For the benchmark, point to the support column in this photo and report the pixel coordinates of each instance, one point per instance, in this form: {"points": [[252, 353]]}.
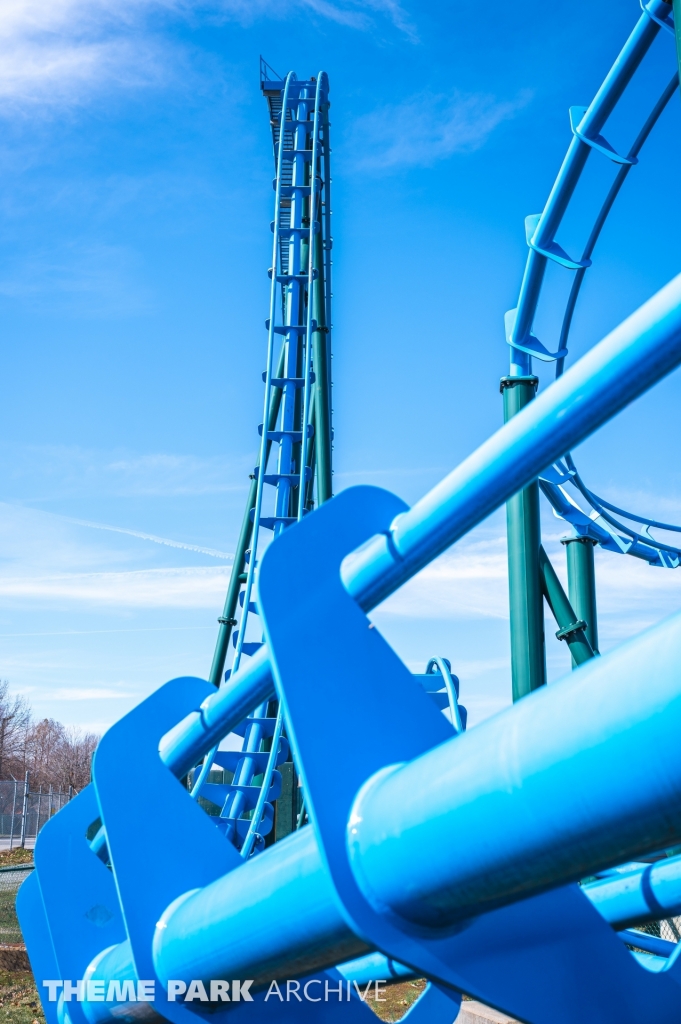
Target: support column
{"points": [[322, 374], [528, 658], [582, 584], [24, 812], [677, 22], [571, 628], [238, 574]]}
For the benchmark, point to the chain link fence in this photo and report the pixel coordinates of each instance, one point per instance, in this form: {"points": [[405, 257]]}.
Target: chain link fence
{"points": [[24, 811], [669, 929], [10, 880]]}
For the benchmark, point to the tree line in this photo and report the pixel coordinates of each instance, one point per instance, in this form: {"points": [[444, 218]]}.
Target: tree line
{"points": [[53, 754]]}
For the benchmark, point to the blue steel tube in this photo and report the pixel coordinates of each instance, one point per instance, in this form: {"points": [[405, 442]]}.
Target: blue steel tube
{"points": [[538, 796], [629, 59], [646, 894], [633, 357]]}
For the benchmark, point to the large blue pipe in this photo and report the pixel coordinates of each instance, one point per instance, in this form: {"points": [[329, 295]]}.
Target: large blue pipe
{"points": [[545, 793], [633, 357]]}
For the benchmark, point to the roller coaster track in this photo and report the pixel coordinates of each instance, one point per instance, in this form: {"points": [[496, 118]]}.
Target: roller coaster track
{"points": [[296, 417], [599, 519], [297, 393]]}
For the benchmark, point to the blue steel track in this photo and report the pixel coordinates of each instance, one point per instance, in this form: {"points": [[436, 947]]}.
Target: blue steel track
{"points": [[595, 518]]}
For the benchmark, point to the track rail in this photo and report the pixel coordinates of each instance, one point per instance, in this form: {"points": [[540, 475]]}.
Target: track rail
{"points": [[596, 519], [296, 418]]}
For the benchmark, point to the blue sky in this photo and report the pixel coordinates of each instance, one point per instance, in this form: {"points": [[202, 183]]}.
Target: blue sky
{"points": [[135, 200]]}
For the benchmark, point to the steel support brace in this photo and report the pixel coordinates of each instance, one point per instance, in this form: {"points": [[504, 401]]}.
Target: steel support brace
{"points": [[582, 583], [677, 25], [528, 658], [322, 395], [571, 626], [227, 620]]}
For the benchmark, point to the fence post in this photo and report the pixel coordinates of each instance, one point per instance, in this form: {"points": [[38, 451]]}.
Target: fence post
{"points": [[37, 820], [14, 810], [24, 812], [49, 803]]}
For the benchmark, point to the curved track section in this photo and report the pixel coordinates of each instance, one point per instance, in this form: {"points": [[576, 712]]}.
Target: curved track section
{"points": [[590, 516]]}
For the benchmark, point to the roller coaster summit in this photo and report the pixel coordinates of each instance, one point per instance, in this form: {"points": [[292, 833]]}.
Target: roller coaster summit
{"points": [[519, 863]]}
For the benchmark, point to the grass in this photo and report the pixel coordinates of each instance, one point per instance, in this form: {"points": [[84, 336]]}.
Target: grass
{"points": [[19, 1000], [20, 1003], [398, 999], [16, 856]]}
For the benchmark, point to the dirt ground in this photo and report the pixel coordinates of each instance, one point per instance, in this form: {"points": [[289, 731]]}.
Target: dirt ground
{"points": [[19, 1001]]}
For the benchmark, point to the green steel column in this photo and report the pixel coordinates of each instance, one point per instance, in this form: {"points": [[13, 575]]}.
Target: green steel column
{"points": [[528, 658], [571, 627], [322, 378], [677, 22], [582, 583], [237, 577]]}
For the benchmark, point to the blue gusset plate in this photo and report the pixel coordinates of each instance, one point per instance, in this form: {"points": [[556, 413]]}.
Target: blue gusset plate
{"points": [[529, 343], [542, 959]]}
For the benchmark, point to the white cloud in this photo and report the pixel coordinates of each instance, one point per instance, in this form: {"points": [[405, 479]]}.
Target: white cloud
{"points": [[194, 587], [429, 127], [88, 693], [357, 13], [62, 470], [470, 582], [54, 52], [63, 52], [467, 582]]}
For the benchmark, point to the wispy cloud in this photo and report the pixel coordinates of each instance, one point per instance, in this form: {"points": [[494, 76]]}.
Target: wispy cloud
{"points": [[470, 582], [56, 52], [467, 582], [90, 280], [359, 13], [194, 587], [29, 471], [65, 52], [88, 693], [429, 127]]}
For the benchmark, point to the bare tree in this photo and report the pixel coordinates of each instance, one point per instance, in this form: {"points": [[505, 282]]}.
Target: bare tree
{"points": [[15, 721], [53, 754], [74, 758], [44, 740]]}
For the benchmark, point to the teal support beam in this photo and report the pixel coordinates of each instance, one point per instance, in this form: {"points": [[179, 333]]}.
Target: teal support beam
{"points": [[571, 627], [322, 368], [677, 22], [528, 657], [227, 620], [582, 583]]}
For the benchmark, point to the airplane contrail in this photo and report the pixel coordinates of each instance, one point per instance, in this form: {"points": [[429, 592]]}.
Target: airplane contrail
{"points": [[213, 552]]}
